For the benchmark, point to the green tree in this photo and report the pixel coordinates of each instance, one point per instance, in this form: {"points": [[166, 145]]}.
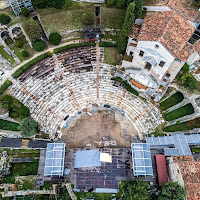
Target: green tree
{"points": [[189, 81], [32, 29], [136, 190], [38, 45], [87, 17], [55, 38], [4, 19], [126, 28], [173, 191], [25, 12], [138, 8], [121, 3], [58, 4], [29, 127], [185, 68], [68, 3], [25, 54]]}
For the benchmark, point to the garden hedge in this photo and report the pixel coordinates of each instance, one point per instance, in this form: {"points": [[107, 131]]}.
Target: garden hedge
{"points": [[107, 44], [71, 46], [7, 125], [188, 125], [6, 84], [180, 112], [28, 65]]}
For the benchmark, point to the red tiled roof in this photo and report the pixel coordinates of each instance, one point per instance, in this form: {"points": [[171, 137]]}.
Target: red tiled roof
{"points": [[185, 8], [138, 85], [190, 171], [161, 169], [154, 25], [170, 29], [135, 32]]}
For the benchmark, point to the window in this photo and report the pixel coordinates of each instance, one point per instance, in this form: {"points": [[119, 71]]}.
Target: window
{"points": [[131, 53], [167, 75], [141, 53], [162, 63], [156, 46]]}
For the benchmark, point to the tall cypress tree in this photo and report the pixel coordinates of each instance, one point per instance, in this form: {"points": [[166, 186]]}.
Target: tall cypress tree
{"points": [[127, 26], [121, 3], [138, 8]]}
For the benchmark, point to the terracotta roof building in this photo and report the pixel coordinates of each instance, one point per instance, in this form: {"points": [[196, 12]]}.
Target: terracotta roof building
{"points": [[166, 40], [190, 171]]}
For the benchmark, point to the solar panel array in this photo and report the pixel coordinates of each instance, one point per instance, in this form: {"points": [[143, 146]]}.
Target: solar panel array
{"points": [[54, 163], [180, 142], [142, 164]]}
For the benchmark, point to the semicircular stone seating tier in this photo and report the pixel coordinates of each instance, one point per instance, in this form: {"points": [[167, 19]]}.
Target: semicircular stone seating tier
{"points": [[66, 83]]}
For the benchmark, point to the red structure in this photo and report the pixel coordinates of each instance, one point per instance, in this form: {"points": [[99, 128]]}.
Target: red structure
{"points": [[161, 169]]}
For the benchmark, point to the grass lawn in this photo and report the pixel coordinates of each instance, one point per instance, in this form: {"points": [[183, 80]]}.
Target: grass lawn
{"points": [[171, 101], [69, 18], [97, 196], [158, 131], [180, 112], [184, 126], [66, 19], [23, 153], [111, 56], [6, 55], [7, 125], [112, 17]]}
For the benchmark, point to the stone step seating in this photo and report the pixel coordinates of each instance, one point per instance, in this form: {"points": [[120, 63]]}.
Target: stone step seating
{"points": [[40, 70], [54, 91]]}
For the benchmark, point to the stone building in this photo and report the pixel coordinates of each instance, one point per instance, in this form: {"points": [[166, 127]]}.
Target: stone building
{"points": [[160, 48]]}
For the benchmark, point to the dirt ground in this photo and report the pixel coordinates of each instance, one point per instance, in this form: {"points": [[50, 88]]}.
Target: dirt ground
{"points": [[101, 129]]}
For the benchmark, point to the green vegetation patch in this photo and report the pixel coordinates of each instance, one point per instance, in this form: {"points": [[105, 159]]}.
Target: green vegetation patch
{"points": [[16, 108], [184, 126], [8, 57], [127, 86], [111, 56], [31, 63], [24, 169], [171, 101], [5, 85], [195, 149], [71, 46], [7, 125], [23, 153], [180, 112]]}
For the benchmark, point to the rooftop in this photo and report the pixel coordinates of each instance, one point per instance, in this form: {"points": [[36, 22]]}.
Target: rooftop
{"points": [[54, 163], [190, 171], [170, 29]]}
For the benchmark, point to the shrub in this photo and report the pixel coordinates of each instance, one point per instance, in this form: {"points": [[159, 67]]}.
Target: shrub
{"points": [[28, 127], [180, 112], [28, 65], [18, 44], [25, 12], [87, 17], [188, 125], [189, 81], [7, 125], [4, 19], [58, 4], [171, 101], [107, 44], [71, 46], [6, 84], [185, 68], [25, 54], [38, 45], [13, 114], [55, 38]]}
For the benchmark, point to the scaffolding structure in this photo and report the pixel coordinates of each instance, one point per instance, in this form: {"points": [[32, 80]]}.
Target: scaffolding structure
{"points": [[17, 5]]}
